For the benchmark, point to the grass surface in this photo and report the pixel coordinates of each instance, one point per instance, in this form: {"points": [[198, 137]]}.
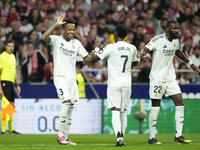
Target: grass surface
{"points": [[96, 141]]}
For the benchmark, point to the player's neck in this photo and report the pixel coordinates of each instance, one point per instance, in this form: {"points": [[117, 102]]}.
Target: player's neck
{"points": [[168, 37], [66, 38], [119, 39]]}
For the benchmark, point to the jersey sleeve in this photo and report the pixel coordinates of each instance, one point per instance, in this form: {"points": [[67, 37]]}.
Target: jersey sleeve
{"points": [[53, 40], [82, 51], [152, 43], [104, 52], [135, 53]]}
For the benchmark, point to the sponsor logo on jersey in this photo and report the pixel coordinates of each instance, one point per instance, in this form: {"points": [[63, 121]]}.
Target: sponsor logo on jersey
{"points": [[65, 51], [165, 46], [169, 52]]}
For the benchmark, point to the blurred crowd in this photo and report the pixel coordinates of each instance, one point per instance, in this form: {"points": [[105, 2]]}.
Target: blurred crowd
{"points": [[25, 21]]}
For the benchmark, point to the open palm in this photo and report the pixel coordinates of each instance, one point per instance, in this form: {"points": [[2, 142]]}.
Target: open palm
{"points": [[60, 19]]}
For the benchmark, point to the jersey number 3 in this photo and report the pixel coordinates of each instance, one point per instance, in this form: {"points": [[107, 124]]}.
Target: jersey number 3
{"points": [[125, 62]]}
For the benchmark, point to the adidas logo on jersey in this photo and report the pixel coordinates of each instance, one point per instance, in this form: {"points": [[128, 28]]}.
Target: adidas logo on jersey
{"points": [[165, 46]]}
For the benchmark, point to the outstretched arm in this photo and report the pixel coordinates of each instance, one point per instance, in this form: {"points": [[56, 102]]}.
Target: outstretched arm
{"points": [[45, 37], [180, 55], [92, 57]]}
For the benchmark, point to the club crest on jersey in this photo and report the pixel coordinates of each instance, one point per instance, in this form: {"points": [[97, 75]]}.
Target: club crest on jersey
{"points": [[73, 46], [174, 44]]}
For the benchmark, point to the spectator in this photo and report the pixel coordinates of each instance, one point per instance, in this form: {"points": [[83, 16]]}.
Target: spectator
{"points": [[140, 21], [101, 24], [34, 16], [151, 21], [3, 10], [195, 36], [76, 9], [195, 58], [174, 13], [93, 13], [110, 23], [162, 28], [128, 23], [32, 37], [91, 40], [183, 77], [138, 11], [118, 15], [83, 27], [165, 14], [138, 37], [58, 10], [8, 3], [12, 16], [20, 8], [66, 5], [145, 71], [188, 47], [50, 16], [104, 6], [154, 5], [85, 5], [187, 16], [45, 24], [25, 27], [17, 36], [39, 5], [33, 64], [3, 29], [96, 76]]}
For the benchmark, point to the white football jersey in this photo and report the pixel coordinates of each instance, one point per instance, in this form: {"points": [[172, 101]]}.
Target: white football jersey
{"points": [[120, 56], [163, 53], [64, 55]]}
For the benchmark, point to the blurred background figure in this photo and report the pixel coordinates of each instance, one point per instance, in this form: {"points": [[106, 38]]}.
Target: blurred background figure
{"points": [[33, 64]]}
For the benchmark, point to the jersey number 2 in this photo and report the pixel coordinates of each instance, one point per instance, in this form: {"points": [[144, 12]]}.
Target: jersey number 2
{"points": [[157, 89], [125, 61]]}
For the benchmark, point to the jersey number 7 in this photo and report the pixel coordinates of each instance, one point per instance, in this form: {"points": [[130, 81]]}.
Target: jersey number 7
{"points": [[125, 62]]}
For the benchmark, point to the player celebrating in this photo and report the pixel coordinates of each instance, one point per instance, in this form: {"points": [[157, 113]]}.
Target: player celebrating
{"points": [[162, 78], [121, 56], [65, 50]]}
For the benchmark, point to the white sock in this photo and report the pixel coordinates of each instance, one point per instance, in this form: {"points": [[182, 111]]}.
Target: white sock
{"points": [[116, 123], [68, 122], [63, 118], [123, 118], [179, 117], [152, 121]]}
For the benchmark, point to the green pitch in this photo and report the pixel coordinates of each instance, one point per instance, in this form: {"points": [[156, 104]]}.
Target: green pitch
{"points": [[95, 142]]}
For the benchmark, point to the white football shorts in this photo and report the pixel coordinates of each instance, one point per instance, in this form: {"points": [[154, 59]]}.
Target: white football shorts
{"points": [[67, 89], [119, 97], [158, 88]]}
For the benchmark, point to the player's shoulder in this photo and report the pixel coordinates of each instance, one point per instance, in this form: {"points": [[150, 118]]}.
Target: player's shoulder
{"points": [[75, 41], [158, 38]]}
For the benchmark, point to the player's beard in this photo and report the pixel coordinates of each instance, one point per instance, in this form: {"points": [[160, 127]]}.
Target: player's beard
{"points": [[173, 36]]}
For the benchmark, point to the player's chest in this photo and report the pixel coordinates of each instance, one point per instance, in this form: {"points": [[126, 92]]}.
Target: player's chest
{"points": [[67, 50], [166, 49]]}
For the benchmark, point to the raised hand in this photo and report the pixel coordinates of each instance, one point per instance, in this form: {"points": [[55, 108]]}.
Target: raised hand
{"points": [[97, 43], [60, 20]]}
